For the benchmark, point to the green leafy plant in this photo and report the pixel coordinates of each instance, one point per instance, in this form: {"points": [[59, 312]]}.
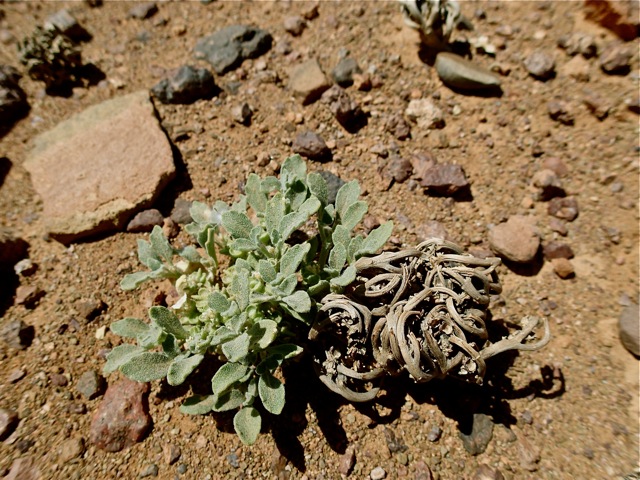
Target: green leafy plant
{"points": [[286, 247]]}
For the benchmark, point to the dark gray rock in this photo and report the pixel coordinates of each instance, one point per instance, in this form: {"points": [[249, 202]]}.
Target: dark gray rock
{"points": [[145, 220], [460, 73], [540, 65], [149, 471], [312, 146], [445, 179], [616, 59], [346, 111], [13, 100], [8, 422], [90, 384], [226, 49], [629, 325], [334, 183], [396, 170], [122, 419], [476, 441], [564, 208], [343, 73], [180, 213], [307, 81], [187, 85], [17, 334], [143, 11], [394, 444]]}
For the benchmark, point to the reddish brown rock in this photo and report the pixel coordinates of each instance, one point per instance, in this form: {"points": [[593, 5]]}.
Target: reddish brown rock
{"points": [[620, 16], [95, 169], [563, 268], [122, 419], [445, 179], [554, 250], [515, 240], [564, 208]]}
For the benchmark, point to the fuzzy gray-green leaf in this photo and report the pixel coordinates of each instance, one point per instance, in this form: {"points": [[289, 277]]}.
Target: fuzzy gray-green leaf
{"points": [[346, 278], [229, 400], [227, 375], [120, 355], [129, 327], [290, 261], [238, 348], [160, 245], [255, 197], [337, 257], [239, 288], [299, 301], [218, 302], [353, 214], [247, 424], [267, 271], [180, 369], [146, 367], [168, 322], [147, 256], [375, 240], [198, 404], [237, 224], [263, 332], [346, 196], [318, 187], [134, 280], [271, 392]]}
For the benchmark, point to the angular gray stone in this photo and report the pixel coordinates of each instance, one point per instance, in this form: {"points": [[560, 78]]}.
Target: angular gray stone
{"points": [[343, 73], [122, 419], [180, 213], [187, 85], [616, 59], [476, 441], [515, 240], [145, 220], [95, 169], [227, 48], [307, 81], [90, 384], [312, 146], [17, 334], [458, 72], [629, 325], [540, 65], [294, 24]]}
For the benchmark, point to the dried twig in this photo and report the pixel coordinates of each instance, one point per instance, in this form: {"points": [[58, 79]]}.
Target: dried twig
{"points": [[421, 310]]}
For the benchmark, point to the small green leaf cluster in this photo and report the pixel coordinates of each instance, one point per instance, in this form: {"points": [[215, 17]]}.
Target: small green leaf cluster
{"points": [[252, 315]]}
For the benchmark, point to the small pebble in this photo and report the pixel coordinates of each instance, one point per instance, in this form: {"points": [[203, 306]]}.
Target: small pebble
{"points": [[563, 268], [378, 473]]}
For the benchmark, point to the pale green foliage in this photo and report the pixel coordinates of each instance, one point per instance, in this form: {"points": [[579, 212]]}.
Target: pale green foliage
{"points": [[248, 316]]}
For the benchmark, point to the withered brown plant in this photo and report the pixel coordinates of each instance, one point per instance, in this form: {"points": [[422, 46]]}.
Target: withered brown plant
{"points": [[421, 310]]}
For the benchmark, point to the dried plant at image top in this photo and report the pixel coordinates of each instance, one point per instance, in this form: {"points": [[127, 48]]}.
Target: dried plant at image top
{"points": [[435, 20], [422, 311], [293, 249], [50, 56]]}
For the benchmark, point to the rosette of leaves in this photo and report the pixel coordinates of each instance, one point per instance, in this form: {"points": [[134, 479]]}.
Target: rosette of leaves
{"points": [[50, 56], [286, 247], [420, 311]]}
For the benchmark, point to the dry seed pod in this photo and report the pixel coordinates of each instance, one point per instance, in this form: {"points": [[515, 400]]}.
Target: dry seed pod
{"points": [[421, 310]]}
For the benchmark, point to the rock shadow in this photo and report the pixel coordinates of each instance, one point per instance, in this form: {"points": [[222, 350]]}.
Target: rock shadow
{"points": [[5, 167], [530, 269], [10, 283]]}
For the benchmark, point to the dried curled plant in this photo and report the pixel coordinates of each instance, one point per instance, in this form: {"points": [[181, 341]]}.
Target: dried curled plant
{"points": [[421, 310], [434, 19]]}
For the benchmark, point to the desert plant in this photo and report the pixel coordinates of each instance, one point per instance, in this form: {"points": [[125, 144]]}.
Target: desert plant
{"points": [[50, 56], [297, 248]]}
